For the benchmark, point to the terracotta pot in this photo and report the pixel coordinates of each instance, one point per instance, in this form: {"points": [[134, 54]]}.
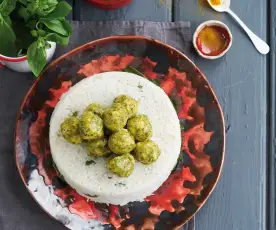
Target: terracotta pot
{"points": [[109, 4]]}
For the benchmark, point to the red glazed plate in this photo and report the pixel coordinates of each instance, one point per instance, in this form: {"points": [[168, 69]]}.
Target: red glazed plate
{"points": [[203, 136], [109, 4]]}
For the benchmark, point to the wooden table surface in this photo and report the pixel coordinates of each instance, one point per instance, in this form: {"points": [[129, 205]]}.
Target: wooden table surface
{"points": [[241, 81], [244, 81]]}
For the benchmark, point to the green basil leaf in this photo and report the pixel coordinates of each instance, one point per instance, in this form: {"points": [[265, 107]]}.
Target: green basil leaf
{"points": [[41, 7], [41, 33], [130, 69], [23, 13], [60, 26], [67, 26], [24, 2], [61, 11], [8, 20], [7, 38], [47, 45], [59, 39], [7, 6], [34, 33], [36, 56]]}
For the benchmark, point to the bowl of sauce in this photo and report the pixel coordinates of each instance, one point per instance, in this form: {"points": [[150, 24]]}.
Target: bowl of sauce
{"points": [[212, 39], [109, 4]]}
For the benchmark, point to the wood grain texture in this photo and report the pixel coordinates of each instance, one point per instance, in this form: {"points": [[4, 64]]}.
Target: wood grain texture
{"points": [[240, 82], [152, 10], [272, 121]]}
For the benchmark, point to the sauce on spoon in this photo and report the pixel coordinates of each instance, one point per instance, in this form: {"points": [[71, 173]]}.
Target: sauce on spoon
{"points": [[215, 2]]}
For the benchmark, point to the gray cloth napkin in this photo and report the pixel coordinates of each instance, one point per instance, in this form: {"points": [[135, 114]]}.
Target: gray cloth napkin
{"points": [[176, 34], [18, 211]]}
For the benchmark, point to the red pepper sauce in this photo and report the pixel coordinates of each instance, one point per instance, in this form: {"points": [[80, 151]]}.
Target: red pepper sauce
{"points": [[212, 40]]}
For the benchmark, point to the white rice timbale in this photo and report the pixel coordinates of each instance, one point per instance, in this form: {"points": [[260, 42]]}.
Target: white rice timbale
{"points": [[94, 180]]}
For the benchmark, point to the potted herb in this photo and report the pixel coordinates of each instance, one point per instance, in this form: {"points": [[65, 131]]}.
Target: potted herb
{"points": [[29, 31]]}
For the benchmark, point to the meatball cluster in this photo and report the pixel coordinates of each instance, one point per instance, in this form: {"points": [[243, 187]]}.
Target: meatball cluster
{"points": [[116, 132]]}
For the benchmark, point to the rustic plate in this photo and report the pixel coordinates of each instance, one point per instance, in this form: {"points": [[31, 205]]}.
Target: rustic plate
{"points": [[203, 142]]}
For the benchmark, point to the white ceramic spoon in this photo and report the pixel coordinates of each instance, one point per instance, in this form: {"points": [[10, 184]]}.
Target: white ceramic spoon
{"points": [[260, 45]]}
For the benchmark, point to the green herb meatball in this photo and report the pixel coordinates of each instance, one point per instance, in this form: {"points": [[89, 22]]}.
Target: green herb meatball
{"points": [[121, 142], [147, 152], [70, 129], [129, 103], [115, 118], [98, 148], [91, 126], [140, 127], [123, 165], [97, 109]]}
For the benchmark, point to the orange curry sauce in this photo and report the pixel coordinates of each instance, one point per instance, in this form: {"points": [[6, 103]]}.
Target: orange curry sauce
{"points": [[212, 40], [215, 2]]}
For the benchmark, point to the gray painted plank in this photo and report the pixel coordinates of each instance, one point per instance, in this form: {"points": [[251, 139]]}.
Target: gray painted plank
{"points": [[239, 79], [272, 121], [152, 10]]}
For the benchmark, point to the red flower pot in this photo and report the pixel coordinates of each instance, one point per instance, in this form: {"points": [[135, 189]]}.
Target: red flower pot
{"points": [[109, 4]]}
